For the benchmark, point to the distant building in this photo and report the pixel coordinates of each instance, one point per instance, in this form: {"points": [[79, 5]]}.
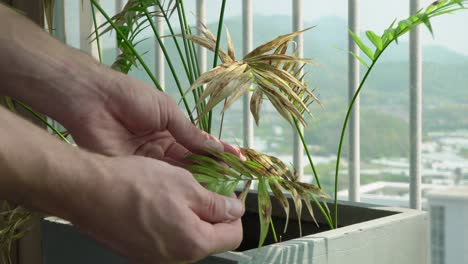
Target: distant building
{"points": [[449, 216], [448, 210], [390, 193]]}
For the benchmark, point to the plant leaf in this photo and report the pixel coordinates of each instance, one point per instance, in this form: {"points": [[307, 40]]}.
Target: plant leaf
{"points": [[244, 192], [270, 45], [376, 40], [264, 210], [276, 189], [361, 60], [361, 45]]}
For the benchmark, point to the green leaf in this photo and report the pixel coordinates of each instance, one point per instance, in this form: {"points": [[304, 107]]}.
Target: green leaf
{"points": [[376, 40], [228, 188], [201, 178], [359, 59], [424, 18], [361, 45], [264, 210]]}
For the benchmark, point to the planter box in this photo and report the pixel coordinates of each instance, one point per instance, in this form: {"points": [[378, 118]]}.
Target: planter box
{"points": [[368, 234]]}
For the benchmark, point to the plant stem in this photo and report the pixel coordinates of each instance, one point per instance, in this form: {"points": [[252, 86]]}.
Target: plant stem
{"points": [[343, 130], [215, 59], [96, 32], [325, 213], [273, 231], [43, 120], [128, 44], [176, 43], [301, 135], [169, 62]]}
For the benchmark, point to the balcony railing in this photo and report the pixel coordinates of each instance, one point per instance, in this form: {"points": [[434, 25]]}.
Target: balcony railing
{"points": [[415, 84]]}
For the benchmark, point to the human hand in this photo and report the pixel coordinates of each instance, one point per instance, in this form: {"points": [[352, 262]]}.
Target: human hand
{"points": [[134, 118], [153, 212]]}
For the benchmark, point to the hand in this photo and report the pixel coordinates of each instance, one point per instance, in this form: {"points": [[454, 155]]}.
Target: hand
{"points": [[153, 212], [134, 118]]}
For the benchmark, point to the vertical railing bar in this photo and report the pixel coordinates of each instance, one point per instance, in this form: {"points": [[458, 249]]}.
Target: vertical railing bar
{"points": [[415, 62], [247, 45], [87, 28], [201, 51], [158, 53], [298, 24], [59, 32], [354, 154], [119, 4]]}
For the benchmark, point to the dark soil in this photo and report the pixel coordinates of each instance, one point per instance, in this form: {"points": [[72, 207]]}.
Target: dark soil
{"points": [[251, 225]]}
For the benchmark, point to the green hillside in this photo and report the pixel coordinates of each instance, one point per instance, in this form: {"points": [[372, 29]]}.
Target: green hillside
{"points": [[384, 101]]}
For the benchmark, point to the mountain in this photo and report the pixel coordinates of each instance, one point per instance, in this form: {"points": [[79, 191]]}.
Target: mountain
{"points": [[384, 99]]}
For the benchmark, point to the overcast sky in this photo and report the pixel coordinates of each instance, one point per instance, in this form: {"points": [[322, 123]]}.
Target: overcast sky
{"points": [[450, 30]]}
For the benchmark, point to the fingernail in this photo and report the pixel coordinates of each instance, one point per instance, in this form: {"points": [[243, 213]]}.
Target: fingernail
{"points": [[234, 208], [242, 157], [214, 145]]}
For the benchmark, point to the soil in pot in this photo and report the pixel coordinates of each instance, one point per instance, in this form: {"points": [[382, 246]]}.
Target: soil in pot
{"points": [[251, 226]]}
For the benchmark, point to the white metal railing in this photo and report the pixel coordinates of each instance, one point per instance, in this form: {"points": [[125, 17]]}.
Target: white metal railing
{"points": [[247, 46], [298, 24], [415, 111], [354, 124], [353, 75]]}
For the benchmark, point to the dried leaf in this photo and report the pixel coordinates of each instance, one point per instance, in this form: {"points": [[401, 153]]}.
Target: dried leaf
{"points": [[274, 43], [244, 192], [276, 189], [264, 210], [230, 45]]}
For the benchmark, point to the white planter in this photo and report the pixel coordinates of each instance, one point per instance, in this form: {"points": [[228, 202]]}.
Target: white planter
{"points": [[370, 235]]}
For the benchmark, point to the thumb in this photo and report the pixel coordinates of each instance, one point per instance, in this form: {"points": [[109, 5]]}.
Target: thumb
{"points": [[214, 208], [189, 136]]}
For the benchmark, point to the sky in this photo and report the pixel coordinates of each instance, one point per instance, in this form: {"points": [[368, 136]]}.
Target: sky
{"points": [[450, 30]]}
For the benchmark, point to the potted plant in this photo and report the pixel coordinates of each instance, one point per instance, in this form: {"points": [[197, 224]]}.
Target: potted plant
{"points": [[360, 232]]}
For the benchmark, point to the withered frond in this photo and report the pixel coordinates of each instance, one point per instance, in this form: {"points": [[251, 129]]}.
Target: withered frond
{"points": [[14, 224], [269, 172], [275, 74]]}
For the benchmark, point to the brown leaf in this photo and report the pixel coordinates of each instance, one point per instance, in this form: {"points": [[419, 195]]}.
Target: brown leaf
{"points": [[255, 104], [230, 45], [276, 189], [274, 43]]}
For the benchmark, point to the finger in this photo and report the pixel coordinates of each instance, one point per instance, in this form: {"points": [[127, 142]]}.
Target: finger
{"points": [[163, 147], [190, 136], [222, 237], [214, 208]]}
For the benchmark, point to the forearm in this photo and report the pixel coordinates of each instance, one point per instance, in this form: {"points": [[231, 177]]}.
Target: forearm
{"points": [[39, 171], [39, 70]]}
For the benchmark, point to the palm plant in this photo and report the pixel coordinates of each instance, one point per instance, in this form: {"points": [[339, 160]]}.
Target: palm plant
{"points": [[271, 71]]}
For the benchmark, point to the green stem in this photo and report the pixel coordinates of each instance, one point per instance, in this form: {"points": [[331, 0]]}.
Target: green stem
{"points": [[169, 62], [176, 43], [324, 213], [43, 120], [221, 123], [96, 32], [273, 231], [301, 135], [195, 67], [215, 59], [129, 45], [343, 130]]}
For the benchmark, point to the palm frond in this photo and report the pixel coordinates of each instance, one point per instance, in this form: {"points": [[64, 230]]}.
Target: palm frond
{"points": [[269, 172], [269, 68]]}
